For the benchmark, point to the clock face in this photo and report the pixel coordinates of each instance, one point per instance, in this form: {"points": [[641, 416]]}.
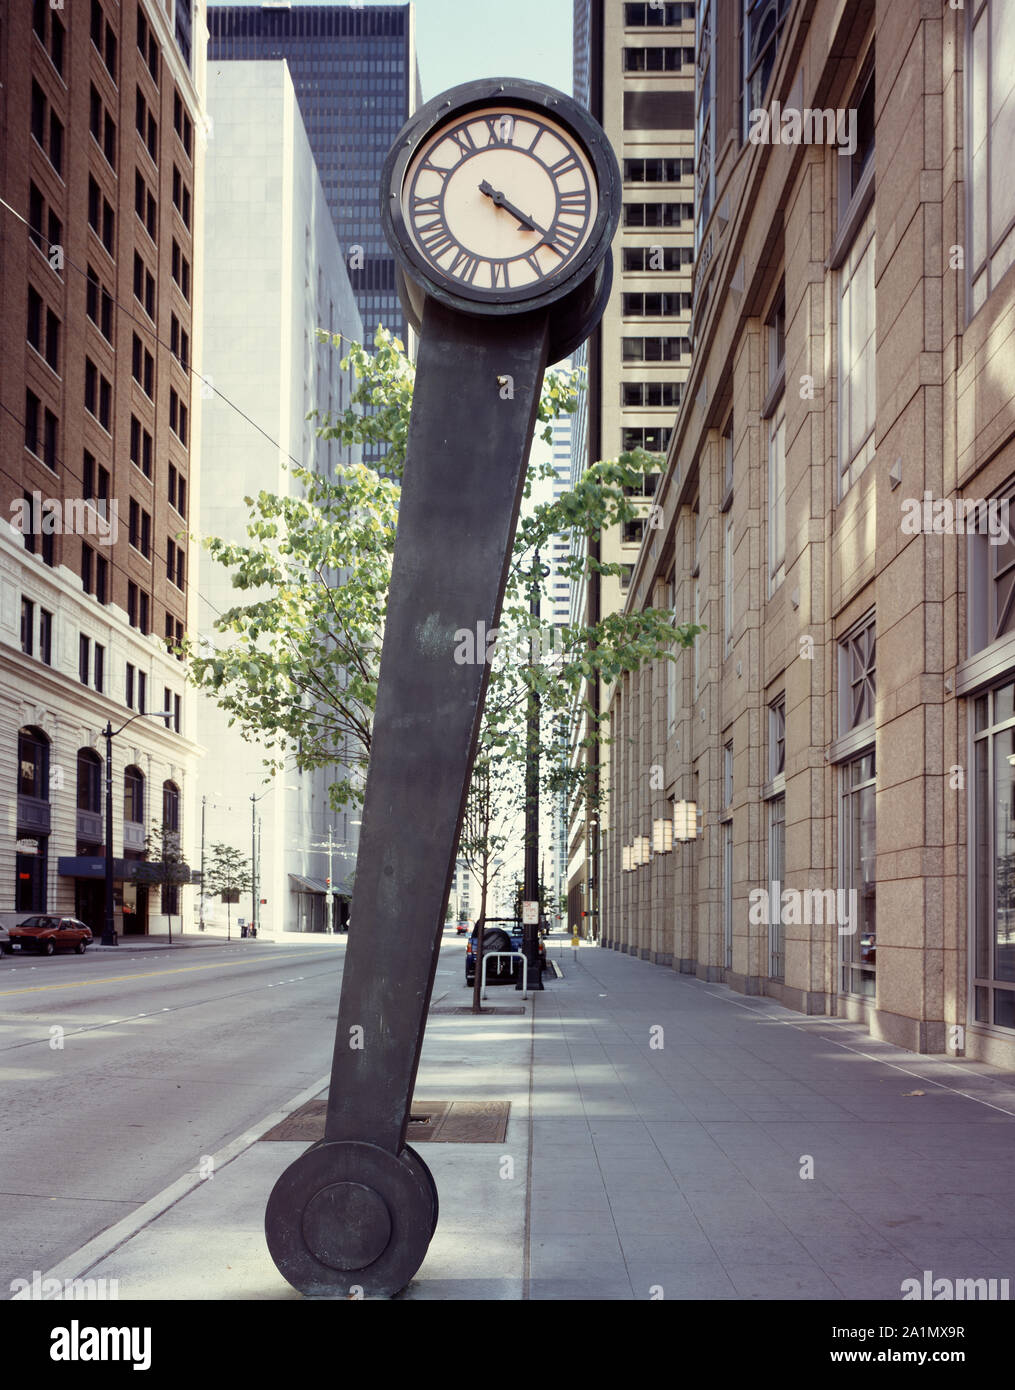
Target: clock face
{"points": [[499, 201]]}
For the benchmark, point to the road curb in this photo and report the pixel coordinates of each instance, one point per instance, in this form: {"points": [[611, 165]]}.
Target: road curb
{"points": [[76, 1266]]}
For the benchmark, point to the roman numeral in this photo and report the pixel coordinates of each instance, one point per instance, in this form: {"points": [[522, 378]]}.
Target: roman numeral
{"points": [[435, 238], [566, 165], [424, 205], [567, 237], [574, 202], [428, 167], [502, 129], [533, 261], [499, 274], [464, 266], [463, 139]]}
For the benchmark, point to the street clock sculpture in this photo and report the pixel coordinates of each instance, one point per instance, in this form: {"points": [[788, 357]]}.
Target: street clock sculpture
{"points": [[500, 200]]}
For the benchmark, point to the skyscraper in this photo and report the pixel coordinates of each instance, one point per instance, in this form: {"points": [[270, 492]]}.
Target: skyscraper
{"points": [[634, 69], [354, 70], [100, 308], [275, 273]]}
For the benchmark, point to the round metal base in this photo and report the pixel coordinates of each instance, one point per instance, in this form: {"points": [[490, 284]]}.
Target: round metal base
{"points": [[413, 1157], [351, 1218]]}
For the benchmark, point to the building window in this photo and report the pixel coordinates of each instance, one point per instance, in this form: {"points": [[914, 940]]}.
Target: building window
{"points": [[991, 581], [857, 672], [89, 781], [727, 775], [45, 637], [87, 568], [133, 796], [762, 30], [777, 738], [654, 349], [662, 305], [84, 658], [653, 438], [991, 947], [170, 806], [727, 581], [990, 128], [857, 356], [776, 874], [99, 668], [670, 59], [142, 692], [33, 407], [657, 214], [777, 498], [648, 394], [33, 764], [128, 694], [727, 893], [101, 579], [27, 627], [649, 259], [657, 170], [858, 937], [132, 603]]}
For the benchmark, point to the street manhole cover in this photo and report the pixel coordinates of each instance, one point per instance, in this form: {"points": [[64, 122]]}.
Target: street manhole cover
{"points": [[431, 1122], [462, 1009]]}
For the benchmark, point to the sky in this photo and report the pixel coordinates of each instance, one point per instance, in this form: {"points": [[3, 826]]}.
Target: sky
{"points": [[461, 40]]}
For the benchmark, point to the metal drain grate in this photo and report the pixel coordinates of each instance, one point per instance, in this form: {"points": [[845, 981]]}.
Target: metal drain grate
{"points": [[463, 1010], [431, 1122]]}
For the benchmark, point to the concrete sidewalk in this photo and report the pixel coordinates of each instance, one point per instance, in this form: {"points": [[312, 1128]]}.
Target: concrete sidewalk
{"points": [[667, 1138]]}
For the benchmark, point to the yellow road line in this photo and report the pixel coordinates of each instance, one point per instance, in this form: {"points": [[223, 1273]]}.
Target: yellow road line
{"points": [[145, 975]]}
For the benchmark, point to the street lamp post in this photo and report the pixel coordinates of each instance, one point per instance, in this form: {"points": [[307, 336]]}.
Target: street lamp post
{"points": [[109, 931], [204, 803], [253, 858]]}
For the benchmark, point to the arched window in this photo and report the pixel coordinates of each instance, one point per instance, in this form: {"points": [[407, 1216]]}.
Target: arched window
{"points": [[89, 780], [133, 795], [170, 806], [33, 763]]}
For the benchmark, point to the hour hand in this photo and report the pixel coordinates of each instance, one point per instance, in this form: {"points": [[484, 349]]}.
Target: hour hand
{"points": [[525, 223]]}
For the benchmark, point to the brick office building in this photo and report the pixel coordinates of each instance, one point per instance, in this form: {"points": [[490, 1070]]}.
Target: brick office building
{"points": [[846, 721], [101, 108]]}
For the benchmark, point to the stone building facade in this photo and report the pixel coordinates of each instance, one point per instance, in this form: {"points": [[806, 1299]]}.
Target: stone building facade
{"points": [[845, 725]]}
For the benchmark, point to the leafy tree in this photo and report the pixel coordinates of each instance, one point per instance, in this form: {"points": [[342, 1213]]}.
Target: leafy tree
{"points": [[298, 669], [484, 841], [163, 865], [228, 873]]}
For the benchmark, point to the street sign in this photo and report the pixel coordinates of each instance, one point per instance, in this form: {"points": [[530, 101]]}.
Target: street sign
{"points": [[530, 914]]}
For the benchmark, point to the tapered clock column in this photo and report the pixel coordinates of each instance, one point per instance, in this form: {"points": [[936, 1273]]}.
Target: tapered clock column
{"points": [[355, 1213]]}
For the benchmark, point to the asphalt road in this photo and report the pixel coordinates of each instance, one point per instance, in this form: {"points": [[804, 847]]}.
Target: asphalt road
{"points": [[164, 1057]]}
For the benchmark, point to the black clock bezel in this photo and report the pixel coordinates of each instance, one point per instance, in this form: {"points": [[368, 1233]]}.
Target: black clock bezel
{"points": [[456, 104]]}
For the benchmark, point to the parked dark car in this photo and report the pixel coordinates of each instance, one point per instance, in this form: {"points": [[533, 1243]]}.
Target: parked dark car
{"points": [[44, 935], [499, 938]]}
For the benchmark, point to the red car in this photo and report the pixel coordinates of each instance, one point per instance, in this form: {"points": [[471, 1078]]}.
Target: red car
{"points": [[48, 934]]}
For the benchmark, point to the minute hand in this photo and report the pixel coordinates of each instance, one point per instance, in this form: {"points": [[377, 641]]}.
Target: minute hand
{"points": [[524, 219]]}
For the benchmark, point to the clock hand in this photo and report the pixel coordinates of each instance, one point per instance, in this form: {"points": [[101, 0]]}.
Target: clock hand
{"points": [[496, 197], [526, 222]]}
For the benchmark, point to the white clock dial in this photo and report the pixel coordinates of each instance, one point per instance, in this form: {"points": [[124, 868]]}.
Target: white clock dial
{"points": [[500, 199]]}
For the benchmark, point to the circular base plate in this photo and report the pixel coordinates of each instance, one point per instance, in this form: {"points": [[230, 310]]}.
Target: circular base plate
{"points": [[413, 1157], [350, 1218]]}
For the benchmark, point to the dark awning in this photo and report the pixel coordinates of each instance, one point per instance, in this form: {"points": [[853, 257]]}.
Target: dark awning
{"points": [[94, 866]]}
